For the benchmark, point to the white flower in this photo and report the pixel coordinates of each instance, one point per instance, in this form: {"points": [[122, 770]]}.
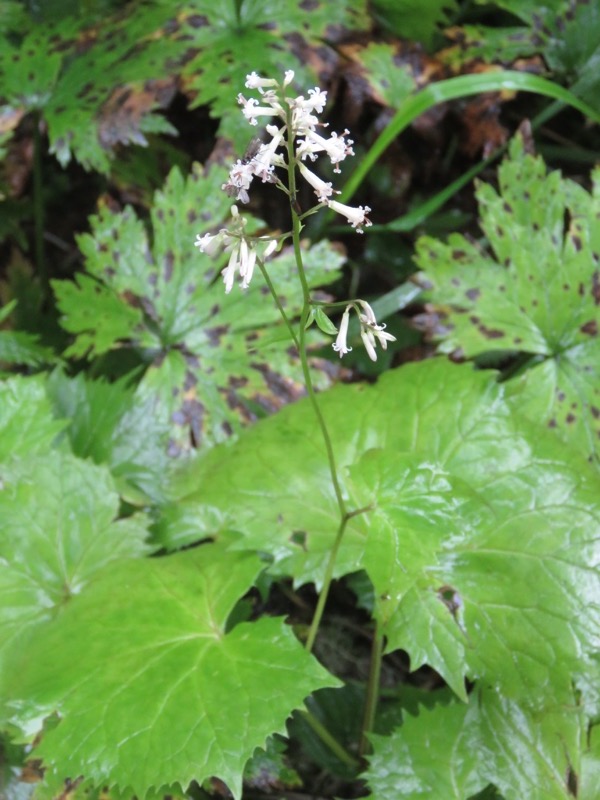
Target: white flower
{"points": [[267, 158], [371, 332], [240, 178], [252, 109], [368, 318], [270, 248], [369, 343], [340, 345], [322, 189], [254, 81], [336, 147], [210, 243], [247, 262], [243, 252], [317, 99], [356, 216]]}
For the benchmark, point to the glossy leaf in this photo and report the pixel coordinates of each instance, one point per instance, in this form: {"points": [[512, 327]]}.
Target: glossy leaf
{"points": [[183, 699], [112, 425], [478, 532], [454, 750], [26, 424], [58, 527], [536, 291]]}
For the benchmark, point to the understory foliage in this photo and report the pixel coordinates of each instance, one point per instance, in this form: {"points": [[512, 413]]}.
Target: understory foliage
{"points": [[156, 517]]}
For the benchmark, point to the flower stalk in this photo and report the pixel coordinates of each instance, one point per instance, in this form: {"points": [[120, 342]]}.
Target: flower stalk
{"points": [[296, 136]]}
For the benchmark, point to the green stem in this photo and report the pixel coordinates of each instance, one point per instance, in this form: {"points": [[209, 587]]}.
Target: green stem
{"points": [[38, 207], [275, 297], [372, 689], [304, 316], [328, 739]]}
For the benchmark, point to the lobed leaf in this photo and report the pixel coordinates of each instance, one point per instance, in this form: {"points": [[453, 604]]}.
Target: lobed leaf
{"points": [[214, 361], [535, 291], [112, 425], [26, 424], [455, 750], [58, 527], [478, 530], [180, 697]]}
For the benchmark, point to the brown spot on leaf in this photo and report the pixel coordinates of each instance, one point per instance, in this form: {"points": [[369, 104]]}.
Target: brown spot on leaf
{"points": [[491, 333], [560, 396], [596, 287], [215, 334], [458, 254], [595, 412], [576, 242], [591, 328], [570, 418], [473, 294], [552, 423]]}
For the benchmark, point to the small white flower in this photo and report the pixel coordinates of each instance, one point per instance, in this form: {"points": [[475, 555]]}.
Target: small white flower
{"points": [[270, 248], [252, 110], [371, 332], [369, 343], [336, 147], [368, 318], [288, 77], [356, 216], [323, 190], [240, 178], [341, 345], [247, 263], [229, 272], [210, 243], [254, 81], [267, 158], [317, 99]]}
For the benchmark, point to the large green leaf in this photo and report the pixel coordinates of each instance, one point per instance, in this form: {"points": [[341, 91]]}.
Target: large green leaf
{"points": [[26, 424], [111, 424], [58, 526], [537, 292], [479, 530], [214, 360], [454, 750], [151, 686]]}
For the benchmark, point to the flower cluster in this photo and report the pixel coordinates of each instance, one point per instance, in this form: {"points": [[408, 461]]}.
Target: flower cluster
{"points": [[295, 118], [295, 132], [243, 250], [370, 331]]}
